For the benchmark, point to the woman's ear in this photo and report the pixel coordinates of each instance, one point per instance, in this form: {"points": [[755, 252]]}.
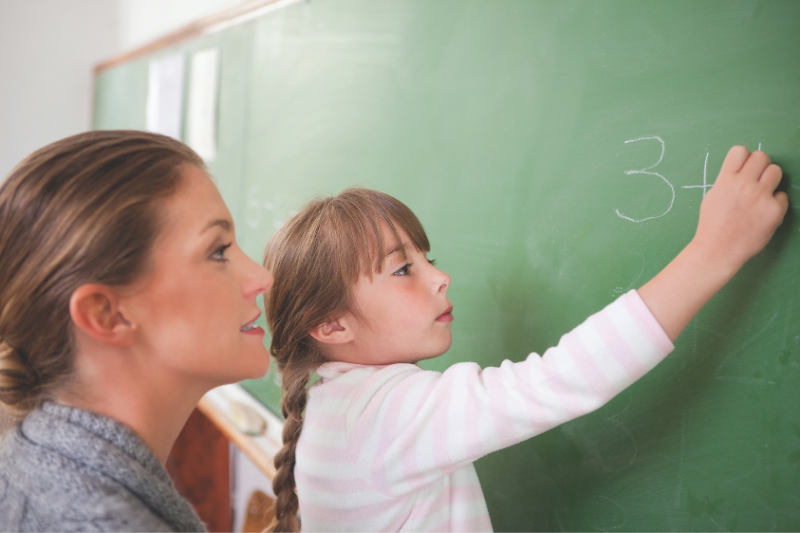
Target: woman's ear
{"points": [[95, 310], [336, 331]]}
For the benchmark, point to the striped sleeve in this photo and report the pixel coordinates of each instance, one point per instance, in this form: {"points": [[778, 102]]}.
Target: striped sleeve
{"points": [[407, 427]]}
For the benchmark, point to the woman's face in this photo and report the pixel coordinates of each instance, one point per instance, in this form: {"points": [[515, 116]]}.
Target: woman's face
{"points": [[195, 310]]}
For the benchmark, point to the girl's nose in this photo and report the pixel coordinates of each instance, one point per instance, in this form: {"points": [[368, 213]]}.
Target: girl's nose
{"points": [[441, 281]]}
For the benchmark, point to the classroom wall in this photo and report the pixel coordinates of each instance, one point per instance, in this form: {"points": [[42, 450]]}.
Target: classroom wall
{"points": [[146, 20], [48, 49]]}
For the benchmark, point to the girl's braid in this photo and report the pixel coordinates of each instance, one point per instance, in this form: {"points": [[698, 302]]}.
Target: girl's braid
{"points": [[316, 258], [295, 381]]}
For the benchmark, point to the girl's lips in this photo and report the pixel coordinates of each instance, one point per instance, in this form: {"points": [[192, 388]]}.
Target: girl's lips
{"points": [[447, 316]]}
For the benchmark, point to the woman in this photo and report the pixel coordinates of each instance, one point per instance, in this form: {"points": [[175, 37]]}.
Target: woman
{"points": [[123, 299]]}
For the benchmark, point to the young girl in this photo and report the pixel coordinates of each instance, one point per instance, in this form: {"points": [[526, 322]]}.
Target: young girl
{"points": [[387, 446]]}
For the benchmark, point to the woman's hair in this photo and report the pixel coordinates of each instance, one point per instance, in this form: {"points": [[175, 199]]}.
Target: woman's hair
{"points": [[80, 210], [316, 259]]}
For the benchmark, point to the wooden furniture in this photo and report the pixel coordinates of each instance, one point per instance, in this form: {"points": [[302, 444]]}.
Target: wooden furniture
{"points": [[200, 460], [260, 513], [200, 468]]}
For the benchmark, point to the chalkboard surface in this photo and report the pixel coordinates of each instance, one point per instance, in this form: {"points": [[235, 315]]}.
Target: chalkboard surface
{"points": [[557, 153]]}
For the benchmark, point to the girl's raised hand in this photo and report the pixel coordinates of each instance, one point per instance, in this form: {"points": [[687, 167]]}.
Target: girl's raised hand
{"points": [[738, 217], [741, 212]]}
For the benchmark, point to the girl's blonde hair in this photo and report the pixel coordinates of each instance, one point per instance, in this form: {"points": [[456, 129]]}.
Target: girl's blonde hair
{"points": [[80, 210], [316, 258]]}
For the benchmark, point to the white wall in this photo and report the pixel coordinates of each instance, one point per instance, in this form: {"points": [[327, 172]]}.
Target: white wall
{"points": [[47, 51]]}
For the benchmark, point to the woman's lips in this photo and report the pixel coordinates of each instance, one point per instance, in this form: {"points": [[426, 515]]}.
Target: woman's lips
{"points": [[255, 330], [447, 316], [251, 329]]}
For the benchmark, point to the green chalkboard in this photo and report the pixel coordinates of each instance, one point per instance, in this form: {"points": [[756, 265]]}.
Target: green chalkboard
{"points": [[556, 152]]}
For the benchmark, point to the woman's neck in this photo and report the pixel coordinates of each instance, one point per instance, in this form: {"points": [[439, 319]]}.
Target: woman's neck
{"points": [[154, 404]]}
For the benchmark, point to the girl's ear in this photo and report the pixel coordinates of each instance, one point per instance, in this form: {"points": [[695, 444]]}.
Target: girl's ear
{"points": [[335, 331], [95, 310]]}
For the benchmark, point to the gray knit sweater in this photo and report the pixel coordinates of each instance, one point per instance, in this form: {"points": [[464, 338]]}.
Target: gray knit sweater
{"points": [[64, 469]]}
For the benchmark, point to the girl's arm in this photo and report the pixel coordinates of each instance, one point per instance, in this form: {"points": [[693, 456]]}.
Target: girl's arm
{"points": [[738, 217], [407, 427]]}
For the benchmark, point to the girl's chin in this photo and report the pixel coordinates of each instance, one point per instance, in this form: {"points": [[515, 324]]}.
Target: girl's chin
{"points": [[437, 353]]}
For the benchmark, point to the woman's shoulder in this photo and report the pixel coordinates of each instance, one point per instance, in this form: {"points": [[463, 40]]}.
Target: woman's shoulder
{"points": [[56, 474], [92, 507], [41, 490]]}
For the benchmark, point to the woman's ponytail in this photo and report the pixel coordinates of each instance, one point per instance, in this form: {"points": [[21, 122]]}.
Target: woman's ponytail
{"points": [[19, 381]]}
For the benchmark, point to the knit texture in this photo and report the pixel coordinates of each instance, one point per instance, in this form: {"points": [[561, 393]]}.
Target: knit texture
{"points": [[65, 469], [390, 448]]}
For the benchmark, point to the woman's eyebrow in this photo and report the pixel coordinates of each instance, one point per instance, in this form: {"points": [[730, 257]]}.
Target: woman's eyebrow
{"points": [[221, 222]]}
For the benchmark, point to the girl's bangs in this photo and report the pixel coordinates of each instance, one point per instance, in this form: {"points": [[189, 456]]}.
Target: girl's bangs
{"points": [[363, 219]]}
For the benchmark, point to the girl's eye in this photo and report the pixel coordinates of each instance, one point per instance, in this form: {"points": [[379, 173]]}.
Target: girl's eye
{"points": [[432, 261], [404, 271], [219, 253]]}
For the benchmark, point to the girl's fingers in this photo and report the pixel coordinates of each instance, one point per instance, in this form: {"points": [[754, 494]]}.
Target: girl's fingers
{"points": [[783, 202], [755, 165], [735, 160], [771, 177]]}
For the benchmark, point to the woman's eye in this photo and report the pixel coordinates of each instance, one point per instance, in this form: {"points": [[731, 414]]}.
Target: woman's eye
{"points": [[404, 271], [432, 261], [219, 253]]}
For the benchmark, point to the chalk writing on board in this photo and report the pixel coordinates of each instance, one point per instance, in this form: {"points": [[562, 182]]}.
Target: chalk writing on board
{"points": [[622, 515], [681, 461], [617, 452], [646, 171], [754, 498], [253, 214], [559, 521], [623, 429], [719, 375], [705, 186], [619, 290], [259, 212]]}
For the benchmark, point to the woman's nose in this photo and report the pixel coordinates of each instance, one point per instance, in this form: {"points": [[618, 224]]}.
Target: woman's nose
{"points": [[258, 279], [268, 280]]}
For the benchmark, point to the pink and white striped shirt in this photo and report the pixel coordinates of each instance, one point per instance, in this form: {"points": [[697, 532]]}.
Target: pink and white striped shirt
{"points": [[390, 448]]}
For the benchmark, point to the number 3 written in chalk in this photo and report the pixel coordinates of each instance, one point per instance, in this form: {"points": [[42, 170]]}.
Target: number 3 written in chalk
{"points": [[647, 171]]}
